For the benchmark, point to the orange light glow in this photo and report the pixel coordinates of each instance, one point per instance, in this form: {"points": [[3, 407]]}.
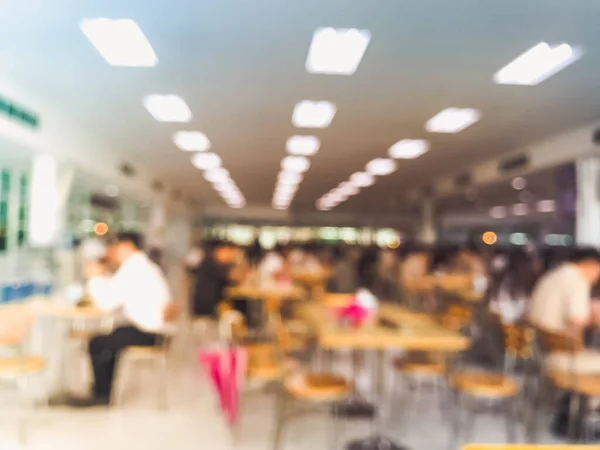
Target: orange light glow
{"points": [[489, 237], [100, 228]]}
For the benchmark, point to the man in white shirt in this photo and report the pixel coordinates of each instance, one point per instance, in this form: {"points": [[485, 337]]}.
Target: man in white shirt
{"points": [[561, 302], [139, 295]]}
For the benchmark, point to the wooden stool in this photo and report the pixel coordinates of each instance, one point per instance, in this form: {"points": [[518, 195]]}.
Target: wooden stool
{"points": [[473, 386], [313, 388], [18, 369], [415, 367], [157, 356]]}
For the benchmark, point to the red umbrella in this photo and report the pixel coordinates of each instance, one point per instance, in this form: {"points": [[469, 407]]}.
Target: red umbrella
{"points": [[226, 368]]}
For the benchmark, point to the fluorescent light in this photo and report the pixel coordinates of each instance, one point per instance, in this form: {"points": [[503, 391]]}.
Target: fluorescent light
{"points": [[498, 212], [206, 161], [285, 178], [380, 166], [408, 149], [362, 179], [519, 183], [218, 175], [120, 42], [546, 206], [191, 141], [44, 202], [348, 189], [295, 164], [520, 209], [336, 51], [168, 108], [303, 145], [537, 64], [452, 120], [310, 114]]}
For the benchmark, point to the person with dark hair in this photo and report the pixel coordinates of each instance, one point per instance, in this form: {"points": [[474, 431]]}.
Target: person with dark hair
{"points": [[561, 301], [511, 291], [212, 277], [139, 292]]}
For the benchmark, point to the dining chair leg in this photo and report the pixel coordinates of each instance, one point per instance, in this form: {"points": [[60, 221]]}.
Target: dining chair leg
{"points": [[161, 364], [511, 429], [455, 420], [24, 414], [280, 412], [442, 393], [468, 427], [334, 426], [574, 408]]}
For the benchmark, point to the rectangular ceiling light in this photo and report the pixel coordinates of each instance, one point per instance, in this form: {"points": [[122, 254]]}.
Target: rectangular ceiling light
{"points": [[191, 141], [537, 64], [336, 51], [120, 42], [309, 114], [452, 120], [168, 108], [303, 145], [408, 149]]}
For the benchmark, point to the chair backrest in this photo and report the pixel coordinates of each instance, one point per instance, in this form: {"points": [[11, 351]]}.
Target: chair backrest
{"points": [[456, 317], [519, 339], [15, 324], [553, 341]]}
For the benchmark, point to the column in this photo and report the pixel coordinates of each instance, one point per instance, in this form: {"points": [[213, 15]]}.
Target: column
{"points": [[428, 234], [587, 219]]}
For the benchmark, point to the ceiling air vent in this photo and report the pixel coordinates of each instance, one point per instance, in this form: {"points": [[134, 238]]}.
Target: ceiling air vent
{"points": [[513, 163], [463, 180], [157, 186], [127, 170]]}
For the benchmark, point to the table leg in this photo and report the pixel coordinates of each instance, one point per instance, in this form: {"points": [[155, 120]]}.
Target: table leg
{"points": [[356, 406], [377, 441]]}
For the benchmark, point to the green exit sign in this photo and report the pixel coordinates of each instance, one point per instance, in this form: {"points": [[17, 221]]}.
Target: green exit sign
{"points": [[18, 113]]}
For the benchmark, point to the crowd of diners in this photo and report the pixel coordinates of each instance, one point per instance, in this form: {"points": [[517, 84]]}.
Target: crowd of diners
{"points": [[554, 288]]}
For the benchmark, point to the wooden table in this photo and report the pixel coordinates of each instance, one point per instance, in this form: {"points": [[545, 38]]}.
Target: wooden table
{"points": [[415, 332]]}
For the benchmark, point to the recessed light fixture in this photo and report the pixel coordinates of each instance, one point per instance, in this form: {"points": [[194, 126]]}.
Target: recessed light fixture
{"points": [[168, 108], [120, 42], [336, 51], [380, 166], [191, 141], [537, 64], [303, 145], [362, 179], [289, 178], [218, 175], [546, 206], [498, 212], [206, 161], [295, 164], [520, 209], [408, 149], [311, 114], [452, 120], [519, 183], [111, 190]]}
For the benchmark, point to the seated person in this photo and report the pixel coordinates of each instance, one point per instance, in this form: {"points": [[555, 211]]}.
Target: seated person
{"points": [[215, 273], [272, 267], [562, 303], [510, 294], [137, 290]]}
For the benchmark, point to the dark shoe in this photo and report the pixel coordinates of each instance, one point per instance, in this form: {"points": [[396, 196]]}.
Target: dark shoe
{"points": [[88, 402]]}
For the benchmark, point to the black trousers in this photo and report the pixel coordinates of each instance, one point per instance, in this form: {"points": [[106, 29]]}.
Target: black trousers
{"points": [[105, 350]]}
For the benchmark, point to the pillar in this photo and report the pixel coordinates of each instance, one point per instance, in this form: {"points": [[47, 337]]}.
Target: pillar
{"points": [[428, 234], [587, 218]]}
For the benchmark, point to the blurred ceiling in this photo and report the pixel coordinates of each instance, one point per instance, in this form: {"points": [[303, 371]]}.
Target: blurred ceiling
{"points": [[240, 67]]}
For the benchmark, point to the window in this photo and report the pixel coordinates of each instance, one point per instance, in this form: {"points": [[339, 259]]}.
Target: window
{"points": [[23, 206], [4, 194]]}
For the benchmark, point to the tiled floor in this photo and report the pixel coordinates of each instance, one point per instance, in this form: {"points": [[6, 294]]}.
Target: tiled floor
{"points": [[193, 421]]}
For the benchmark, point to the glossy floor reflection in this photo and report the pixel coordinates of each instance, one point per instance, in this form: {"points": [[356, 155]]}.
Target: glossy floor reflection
{"points": [[193, 421]]}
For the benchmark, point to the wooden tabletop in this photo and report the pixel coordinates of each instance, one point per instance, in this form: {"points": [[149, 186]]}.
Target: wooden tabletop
{"points": [[250, 292], [416, 331], [529, 447], [63, 310], [456, 284]]}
